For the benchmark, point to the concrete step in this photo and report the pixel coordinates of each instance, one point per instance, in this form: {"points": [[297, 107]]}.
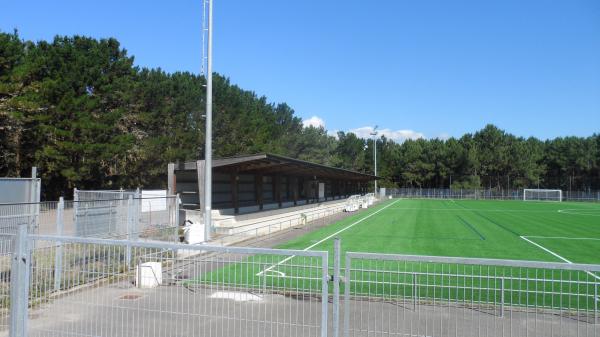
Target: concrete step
{"points": [[275, 222]]}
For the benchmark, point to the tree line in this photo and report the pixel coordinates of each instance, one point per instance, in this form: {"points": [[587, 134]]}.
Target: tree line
{"points": [[83, 113]]}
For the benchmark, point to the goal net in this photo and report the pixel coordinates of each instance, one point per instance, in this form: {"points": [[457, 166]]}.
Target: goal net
{"points": [[542, 195]]}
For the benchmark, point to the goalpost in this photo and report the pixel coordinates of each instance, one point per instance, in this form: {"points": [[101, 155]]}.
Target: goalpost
{"points": [[542, 195]]}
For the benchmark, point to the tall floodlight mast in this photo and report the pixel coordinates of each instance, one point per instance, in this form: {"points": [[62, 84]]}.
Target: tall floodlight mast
{"points": [[207, 6], [374, 134]]}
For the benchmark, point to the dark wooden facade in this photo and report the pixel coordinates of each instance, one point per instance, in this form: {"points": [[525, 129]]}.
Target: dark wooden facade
{"points": [[256, 182]]}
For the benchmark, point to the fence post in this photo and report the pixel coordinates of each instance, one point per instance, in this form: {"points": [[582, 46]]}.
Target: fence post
{"points": [[502, 297], [75, 205], [176, 218], [35, 189], [19, 284], [336, 286], [415, 291], [347, 280], [324, 293], [596, 299], [137, 203], [130, 210], [59, 250]]}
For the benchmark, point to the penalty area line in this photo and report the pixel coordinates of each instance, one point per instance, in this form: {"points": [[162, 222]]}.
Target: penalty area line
{"points": [[561, 238], [557, 256], [270, 269]]}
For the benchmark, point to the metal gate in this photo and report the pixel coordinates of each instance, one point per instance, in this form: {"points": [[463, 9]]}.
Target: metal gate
{"points": [[103, 213]]}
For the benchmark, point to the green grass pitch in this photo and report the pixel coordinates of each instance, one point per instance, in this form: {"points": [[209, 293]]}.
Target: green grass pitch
{"points": [[470, 228], [516, 230]]}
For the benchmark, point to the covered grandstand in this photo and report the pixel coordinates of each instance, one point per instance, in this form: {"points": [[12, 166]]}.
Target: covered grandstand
{"points": [[264, 181]]}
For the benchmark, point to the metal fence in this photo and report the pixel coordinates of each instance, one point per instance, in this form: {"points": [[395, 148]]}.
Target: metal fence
{"points": [[404, 295], [72, 286], [19, 189], [90, 195], [265, 229], [112, 218], [88, 287], [262, 229], [485, 194]]}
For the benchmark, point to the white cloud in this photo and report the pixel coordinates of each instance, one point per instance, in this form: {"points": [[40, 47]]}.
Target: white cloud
{"points": [[314, 121], [333, 134], [397, 135], [443, 136]]}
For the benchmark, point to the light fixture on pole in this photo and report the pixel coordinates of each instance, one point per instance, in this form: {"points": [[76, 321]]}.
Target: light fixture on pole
{"points": [[374, 133]]}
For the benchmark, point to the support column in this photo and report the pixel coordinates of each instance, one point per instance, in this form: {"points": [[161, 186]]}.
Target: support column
{"points": [[307, 190], [171, 179], [277, 182], [295, 190], [200, 167], [287, 188], [258, 189], [234, 192]]}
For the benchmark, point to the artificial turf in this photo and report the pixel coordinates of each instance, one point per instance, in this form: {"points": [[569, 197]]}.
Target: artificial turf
{"points": [[455, 228], [469, 228]]}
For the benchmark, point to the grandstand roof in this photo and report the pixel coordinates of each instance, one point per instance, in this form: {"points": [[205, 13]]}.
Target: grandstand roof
{"points": [[266, 163]]}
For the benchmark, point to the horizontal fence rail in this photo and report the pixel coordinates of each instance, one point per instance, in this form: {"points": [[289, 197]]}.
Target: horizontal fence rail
{"points": [[145, 218], [485, 194], [60, 285], [103, 287], [406, 295], [266, 228]]}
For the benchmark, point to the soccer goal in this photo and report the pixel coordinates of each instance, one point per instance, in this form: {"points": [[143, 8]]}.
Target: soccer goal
{"points": [[542, 195]]}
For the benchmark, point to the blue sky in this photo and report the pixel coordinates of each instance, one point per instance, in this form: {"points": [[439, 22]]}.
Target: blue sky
{"points": [[430, 68]]}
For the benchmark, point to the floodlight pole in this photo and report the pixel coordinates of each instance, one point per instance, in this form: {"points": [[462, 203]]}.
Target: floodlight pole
{"points": [[208, 145], [374, 134]]}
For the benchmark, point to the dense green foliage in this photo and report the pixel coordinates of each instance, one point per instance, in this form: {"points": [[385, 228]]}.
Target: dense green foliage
{"points": [[79, 110]]}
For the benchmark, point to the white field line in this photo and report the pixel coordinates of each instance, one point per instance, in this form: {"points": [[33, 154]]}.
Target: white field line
{"points": [[475, 209], [580, 211], [561, 238], [558, 256], [323, 240]]}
